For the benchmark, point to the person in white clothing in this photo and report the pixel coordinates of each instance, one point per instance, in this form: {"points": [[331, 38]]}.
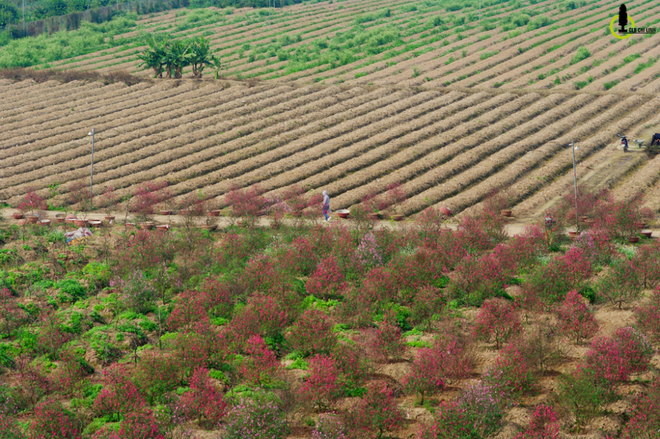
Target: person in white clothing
{"points": [[326, 205]]}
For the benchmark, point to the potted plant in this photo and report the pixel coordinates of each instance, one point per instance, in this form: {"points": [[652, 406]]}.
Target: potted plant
{"points": [[372, 204], [31, 202], [211, 220], [396, 197], [145, 199], [108, 202], [146, 225], [17, 215], [192, 209]]}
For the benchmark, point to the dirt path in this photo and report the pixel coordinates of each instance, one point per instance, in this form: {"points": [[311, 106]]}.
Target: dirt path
{"points": [[516, 226]]}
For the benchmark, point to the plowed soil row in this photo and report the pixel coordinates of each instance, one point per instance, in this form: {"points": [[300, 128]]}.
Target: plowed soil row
{"points": [[28, 98], [178, 127], [173, 106], [211, 139], [231, 165], [553, 158], [144, 159], [88, 107], [38, 140], [580, 107], [426, 163], [57, 106]]}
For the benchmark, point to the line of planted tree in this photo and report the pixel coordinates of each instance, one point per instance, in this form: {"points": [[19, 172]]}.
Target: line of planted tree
{"points": [[170, 57]]}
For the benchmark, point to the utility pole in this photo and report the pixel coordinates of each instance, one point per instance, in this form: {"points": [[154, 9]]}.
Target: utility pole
{"points": [[91, 178], [573, 148]]}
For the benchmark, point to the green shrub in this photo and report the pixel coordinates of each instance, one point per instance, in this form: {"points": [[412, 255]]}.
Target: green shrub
{"points": [[610, 84], [6, 359], [649, 63], [538, 22], [72, 288], [631, 58], [582, 53], [581, 395], [98, 275]]}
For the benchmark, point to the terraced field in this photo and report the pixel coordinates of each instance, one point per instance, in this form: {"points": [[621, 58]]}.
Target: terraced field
{"points": [[351, 97], [449, 112]]}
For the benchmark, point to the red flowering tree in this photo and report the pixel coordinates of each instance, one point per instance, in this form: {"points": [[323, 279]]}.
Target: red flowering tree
{"points": [[246, 204], [321, 386], [620, 217], [203, 400], [31, 202], [156, 373], [622, 284], [219, 296], [498, 320], [543, 425], [422, 269], [261, 275], [379, 285], [119, 395], [426, 375], [327, 280], [644, 416], [312, 333], [11, 315], [511, 372], [352, 364], [377, 412], [482, 231], [52, 421], [452, 421], [136, 425], [260, 363], [263, 316], [614, 359], [189, 309], [576, 319], [33, 382], [51, 336], [147, 195], [648, 315], [549, 284], [384, 343], [475, 279], [70, 373], [645, 262], [190, 350], [9, 428]]}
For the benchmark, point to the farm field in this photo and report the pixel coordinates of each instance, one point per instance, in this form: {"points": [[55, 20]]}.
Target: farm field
{"points": [[446, 306]]}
